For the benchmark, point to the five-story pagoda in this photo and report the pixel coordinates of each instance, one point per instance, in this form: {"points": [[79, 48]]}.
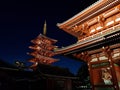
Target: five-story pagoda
{"points": [[43, 50]]}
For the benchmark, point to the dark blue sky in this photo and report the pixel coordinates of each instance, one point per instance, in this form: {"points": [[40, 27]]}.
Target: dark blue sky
{"points": [[22, 20]]}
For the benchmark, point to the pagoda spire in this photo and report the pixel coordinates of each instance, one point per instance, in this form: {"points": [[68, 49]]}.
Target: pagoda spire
{"points": [[45, 28], [42, 50]]}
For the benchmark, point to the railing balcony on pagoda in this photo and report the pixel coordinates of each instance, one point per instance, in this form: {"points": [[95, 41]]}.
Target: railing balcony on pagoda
{"points": [[41, 39], [42, 46], [43, 53]]}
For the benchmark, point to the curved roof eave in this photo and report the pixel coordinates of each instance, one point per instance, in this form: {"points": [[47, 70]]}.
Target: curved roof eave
{"points": [[99, 4], [75, 16]]}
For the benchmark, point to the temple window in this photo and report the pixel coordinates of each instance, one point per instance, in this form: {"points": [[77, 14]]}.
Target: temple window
{"points": [[116, 53], [117, 18], [99, 28], [94, 58], [92, 29], [109, 22], [102, 56]]}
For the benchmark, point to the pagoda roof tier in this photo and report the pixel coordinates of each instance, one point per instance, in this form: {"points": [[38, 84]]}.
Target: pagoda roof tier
{"points": [[42, 46], [40, 41], [43, 60], [33, 60], [34, 65], [40, 57], [43, 53], [78, 25], [35, 47], [43, 39]]}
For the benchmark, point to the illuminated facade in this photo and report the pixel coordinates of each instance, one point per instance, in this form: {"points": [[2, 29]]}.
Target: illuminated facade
{"points": [[98, 31]]}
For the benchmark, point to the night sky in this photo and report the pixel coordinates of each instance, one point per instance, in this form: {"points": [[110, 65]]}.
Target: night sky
{"points": [[22, 20]]}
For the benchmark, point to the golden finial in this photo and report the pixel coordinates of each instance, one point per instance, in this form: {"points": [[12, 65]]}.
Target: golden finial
{"points": [[45, 28]]}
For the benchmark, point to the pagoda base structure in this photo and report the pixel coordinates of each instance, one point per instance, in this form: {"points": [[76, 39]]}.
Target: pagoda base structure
{"points": [[98, 31]]}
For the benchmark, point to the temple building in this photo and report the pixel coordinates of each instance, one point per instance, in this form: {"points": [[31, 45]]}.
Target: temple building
{"points": [[98, 31]]}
